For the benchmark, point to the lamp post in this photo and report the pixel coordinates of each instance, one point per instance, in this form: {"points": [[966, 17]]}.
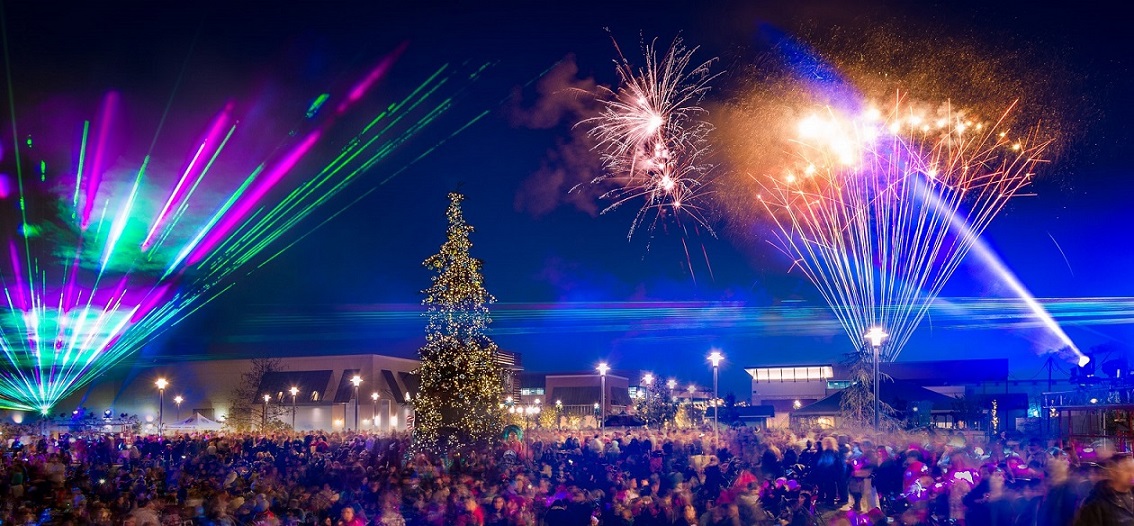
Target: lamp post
{"points": [[356, 381], [264, 424], [177, 400], [294, 391], [671, 398], [161, 384], [648, 381], [692, 391], [716, 357], [410, 411], [531, 411], [559, 415], [602, 369], [374, 410], [875, 337]]}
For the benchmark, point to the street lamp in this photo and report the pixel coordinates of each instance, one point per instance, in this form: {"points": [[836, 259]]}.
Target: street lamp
{"points": [[602, 369], [648, 381], [267, 398], [875, 336], [356, 380], [531, 411], [374, 409], [161, 384], [559, 415], [716, 357], [294, 391], [692, 391], [177, 400]]}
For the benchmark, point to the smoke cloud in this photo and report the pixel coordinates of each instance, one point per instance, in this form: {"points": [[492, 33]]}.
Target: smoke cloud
{"points": [[561, 100]]}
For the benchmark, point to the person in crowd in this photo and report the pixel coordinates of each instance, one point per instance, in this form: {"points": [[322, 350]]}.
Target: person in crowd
{"points": [[347, 517], [771, 463], [862, 463], [1058, 504], [828, 472], [1111, 502], [553, 477]]}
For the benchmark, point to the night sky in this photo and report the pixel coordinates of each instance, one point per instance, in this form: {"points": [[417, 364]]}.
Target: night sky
{"points": [[572, 289]]}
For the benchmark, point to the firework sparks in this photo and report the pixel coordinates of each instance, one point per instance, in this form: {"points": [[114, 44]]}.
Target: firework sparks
{"points": [[653, 138], [868, 207]]}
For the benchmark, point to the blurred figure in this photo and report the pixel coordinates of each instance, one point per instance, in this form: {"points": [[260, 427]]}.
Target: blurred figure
{"points": [[987, 503], [798, 513], [348, 518], [1062, 499], [1111, 502], [828, 474]]}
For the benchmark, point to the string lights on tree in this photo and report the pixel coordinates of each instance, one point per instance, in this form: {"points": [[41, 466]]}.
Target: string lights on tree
{"points": [[461, 382]]}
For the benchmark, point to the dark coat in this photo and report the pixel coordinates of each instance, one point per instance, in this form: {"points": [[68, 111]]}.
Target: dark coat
{"points": [[1105, 507], [1058, 507]]}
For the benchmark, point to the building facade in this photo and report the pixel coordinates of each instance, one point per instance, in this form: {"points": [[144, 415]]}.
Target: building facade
{"points": [[982, 389], [577, 393], [325, 398]]}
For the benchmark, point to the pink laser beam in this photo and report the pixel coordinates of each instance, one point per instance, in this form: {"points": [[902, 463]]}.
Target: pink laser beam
{"points": [[364, 85], [180, 189], [249, 200], [108, 104], [20, 296]]}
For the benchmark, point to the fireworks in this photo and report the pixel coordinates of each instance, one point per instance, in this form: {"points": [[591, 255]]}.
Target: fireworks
{"points": [[879, 208], [652, 137], [103, 260]]}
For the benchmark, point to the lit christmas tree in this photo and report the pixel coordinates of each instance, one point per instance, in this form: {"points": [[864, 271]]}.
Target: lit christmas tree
{"points": [[656, 406], [461, 383]]}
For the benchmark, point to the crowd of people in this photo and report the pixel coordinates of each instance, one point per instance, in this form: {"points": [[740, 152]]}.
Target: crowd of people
{"points": [[639, 477]]}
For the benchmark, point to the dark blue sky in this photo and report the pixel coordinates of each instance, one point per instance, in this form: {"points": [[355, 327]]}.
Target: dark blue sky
{"points": [[355, 282]]}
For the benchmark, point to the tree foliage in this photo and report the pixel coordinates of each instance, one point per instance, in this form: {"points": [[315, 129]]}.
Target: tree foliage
{"points": [[656, 405], [461, 381], [857, 403]]}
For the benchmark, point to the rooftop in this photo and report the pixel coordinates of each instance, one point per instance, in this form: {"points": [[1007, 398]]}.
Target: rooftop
{"points": [[898, 395]]}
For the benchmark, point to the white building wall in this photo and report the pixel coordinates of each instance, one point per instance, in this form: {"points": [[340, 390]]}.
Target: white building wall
{"points": [[206, 386], [814, 390]]}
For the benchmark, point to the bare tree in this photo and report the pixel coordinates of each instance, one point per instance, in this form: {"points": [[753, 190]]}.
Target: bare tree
{"points": [[246, 410]]}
